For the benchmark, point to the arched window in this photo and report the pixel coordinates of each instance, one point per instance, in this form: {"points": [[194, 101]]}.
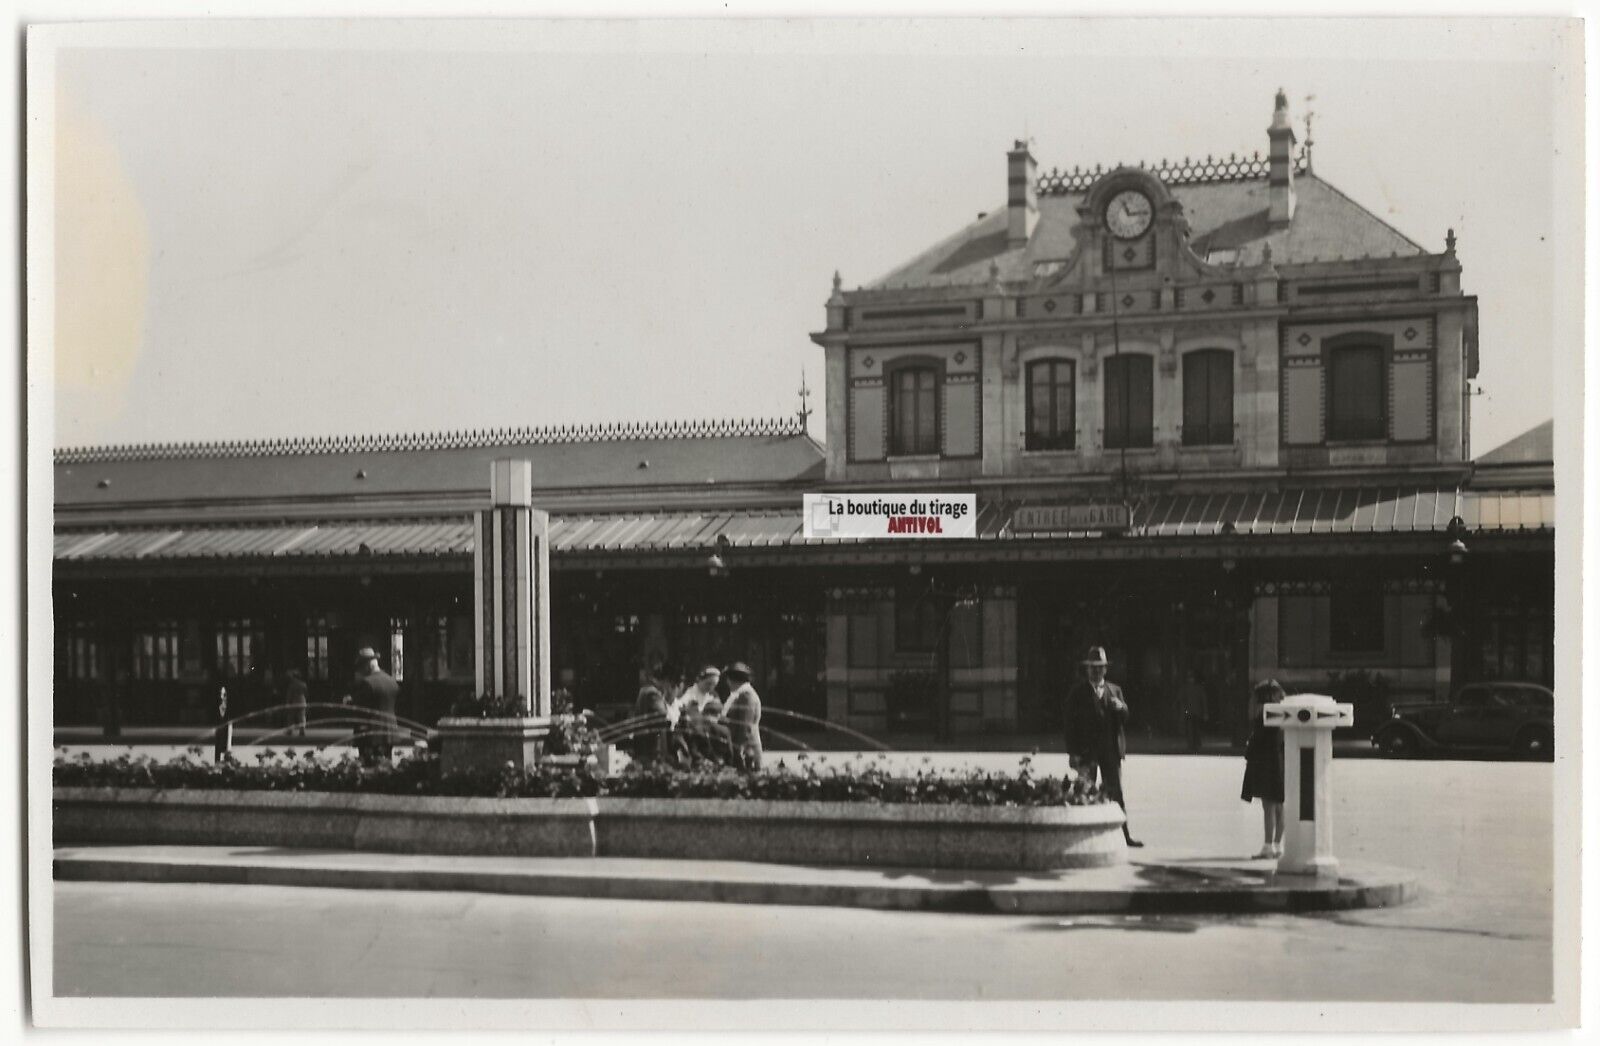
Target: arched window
{"points": [[1208, 398], [1358, 395], [1128, 402], [1052, 407], [914, 410]]}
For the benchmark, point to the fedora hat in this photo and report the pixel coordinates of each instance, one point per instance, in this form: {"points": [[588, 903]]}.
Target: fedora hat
{"points": [[738, 668], [1097, 656], [366, 653]]}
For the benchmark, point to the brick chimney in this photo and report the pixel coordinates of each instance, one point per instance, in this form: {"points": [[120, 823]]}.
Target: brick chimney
{"points": [[1022, 195], [1280, 165]]}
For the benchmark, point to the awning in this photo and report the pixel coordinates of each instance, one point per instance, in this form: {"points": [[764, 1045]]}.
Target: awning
{"points": [[1322, 511]]}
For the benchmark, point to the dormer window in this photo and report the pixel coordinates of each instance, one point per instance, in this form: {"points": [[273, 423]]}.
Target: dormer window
{"points": [[914, 410]]}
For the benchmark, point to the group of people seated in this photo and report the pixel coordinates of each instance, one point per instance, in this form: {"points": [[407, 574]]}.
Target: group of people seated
{"points": [[682, 723]]}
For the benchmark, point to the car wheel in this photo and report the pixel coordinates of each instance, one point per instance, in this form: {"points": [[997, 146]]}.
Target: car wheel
{"points": [[1535, 744], [1398, 744]]}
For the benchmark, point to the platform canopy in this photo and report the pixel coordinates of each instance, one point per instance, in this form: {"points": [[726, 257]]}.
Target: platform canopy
{"points": [[1351, 511]]}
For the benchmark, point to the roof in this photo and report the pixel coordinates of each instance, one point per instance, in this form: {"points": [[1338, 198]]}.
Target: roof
{"points": [[1224, 214], [618, 457], [1351, 510], [1537, 445]]}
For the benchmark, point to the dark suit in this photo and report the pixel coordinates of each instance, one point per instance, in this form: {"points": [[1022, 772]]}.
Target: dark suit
{"points": [[377, 692], [1096, 738]]}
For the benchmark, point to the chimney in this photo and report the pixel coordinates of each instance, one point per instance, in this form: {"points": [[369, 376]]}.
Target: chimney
{"points": [[1280, 165], [1022, 195]]}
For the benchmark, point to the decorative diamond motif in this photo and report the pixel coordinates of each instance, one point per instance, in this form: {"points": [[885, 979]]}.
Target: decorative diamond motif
{"points": [[961, 357], [1127, 301], [1208, 296], [1411, 333], [1049, 305], [1304, 339], [868, 362], [1128, 254]]}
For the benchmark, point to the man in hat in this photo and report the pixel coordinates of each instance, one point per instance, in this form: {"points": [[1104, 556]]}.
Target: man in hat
{"points": [[1096, 743], [742, 714], [375, 690]]}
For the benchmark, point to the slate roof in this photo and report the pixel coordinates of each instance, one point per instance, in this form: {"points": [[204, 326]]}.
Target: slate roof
{"points": [[614, 457], [1222, 215]]}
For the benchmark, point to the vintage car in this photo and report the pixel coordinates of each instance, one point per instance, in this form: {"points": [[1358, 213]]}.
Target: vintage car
{"points": [[1512, 718]]}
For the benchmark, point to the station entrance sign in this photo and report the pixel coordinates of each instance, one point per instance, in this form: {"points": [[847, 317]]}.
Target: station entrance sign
{"points": [[1033, 519]]}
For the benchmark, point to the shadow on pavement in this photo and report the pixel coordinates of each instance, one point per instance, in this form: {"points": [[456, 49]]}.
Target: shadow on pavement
{"points": [[1146, 923]]}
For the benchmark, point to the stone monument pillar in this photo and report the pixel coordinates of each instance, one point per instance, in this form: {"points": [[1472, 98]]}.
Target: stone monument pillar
{"points": [[511, 631], [1308, 722], [511, 591]]}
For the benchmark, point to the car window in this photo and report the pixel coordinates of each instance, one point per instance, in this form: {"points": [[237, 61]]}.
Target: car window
{"points": [[1523, 697], [1473, 697]]}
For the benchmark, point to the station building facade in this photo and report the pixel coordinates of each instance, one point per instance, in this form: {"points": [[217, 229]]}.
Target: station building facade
{"points": [[1216, 414]]}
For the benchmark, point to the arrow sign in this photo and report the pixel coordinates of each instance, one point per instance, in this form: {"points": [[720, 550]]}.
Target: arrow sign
{"points": [[1321, 716]]}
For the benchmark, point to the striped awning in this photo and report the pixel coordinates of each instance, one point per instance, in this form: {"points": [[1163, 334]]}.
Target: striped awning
{"points": [[1345, 510], [1336, 511]]}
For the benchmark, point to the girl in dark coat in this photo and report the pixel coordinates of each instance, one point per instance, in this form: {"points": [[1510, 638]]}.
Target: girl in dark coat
{"points": [[1263, 769]]}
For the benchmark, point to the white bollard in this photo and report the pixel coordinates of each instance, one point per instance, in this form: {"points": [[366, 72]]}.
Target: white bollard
{"points": [[1308, 722]]}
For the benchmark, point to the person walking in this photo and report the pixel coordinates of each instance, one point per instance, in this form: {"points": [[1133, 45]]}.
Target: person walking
{"points": [[742, 714], [1096, 717], [1263, 769], [375, 690], [294, 695]]}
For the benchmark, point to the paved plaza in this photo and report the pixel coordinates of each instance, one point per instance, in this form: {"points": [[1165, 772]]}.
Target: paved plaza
{"points": [[1477, 833]]}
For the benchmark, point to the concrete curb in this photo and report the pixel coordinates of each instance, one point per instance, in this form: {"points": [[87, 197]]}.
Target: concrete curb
{"points": [[1138, 889], [833, 833]]}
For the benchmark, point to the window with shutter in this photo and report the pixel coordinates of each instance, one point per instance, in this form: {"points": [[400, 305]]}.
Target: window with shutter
{"points": [[1208, 398], [1129, 419], [1357, 393], [1052, 408], [914, 411]]}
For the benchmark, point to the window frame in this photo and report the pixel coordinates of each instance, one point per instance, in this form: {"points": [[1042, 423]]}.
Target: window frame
{"points": [[318, 662], [1121, 441], [1060, 437], [1207, 430], [235, 645], [893, 371], [1337, 429]]}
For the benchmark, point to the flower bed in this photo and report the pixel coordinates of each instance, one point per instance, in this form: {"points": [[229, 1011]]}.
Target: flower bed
{"points": [[859, 781], [854, 814]]}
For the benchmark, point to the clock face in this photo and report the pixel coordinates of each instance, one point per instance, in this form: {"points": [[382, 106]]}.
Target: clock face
{"points": [[1128, 214]]}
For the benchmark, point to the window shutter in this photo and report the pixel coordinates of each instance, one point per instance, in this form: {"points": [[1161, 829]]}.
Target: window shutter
{"points": [[961, 417], [1411, 397], [1302, 400], [866, 421]]}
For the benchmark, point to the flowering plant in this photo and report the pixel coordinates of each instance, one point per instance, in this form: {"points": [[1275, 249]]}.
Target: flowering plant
{"points": [[856, 781]]}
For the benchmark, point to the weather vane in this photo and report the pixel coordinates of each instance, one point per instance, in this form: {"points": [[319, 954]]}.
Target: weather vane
{"points": [[805, 410]]}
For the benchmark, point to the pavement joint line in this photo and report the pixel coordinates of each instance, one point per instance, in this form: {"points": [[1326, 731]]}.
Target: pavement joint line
{"points": [[1125, 889]]}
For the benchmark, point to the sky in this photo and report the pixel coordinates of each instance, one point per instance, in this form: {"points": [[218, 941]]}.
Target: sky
{"points": [[268, 237]]}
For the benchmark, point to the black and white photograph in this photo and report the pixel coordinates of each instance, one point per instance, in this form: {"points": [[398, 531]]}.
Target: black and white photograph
{"points": [[805, 524]]}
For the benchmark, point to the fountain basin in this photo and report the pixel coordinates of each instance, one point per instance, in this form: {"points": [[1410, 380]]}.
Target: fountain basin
{"points": [[870, 834]]}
